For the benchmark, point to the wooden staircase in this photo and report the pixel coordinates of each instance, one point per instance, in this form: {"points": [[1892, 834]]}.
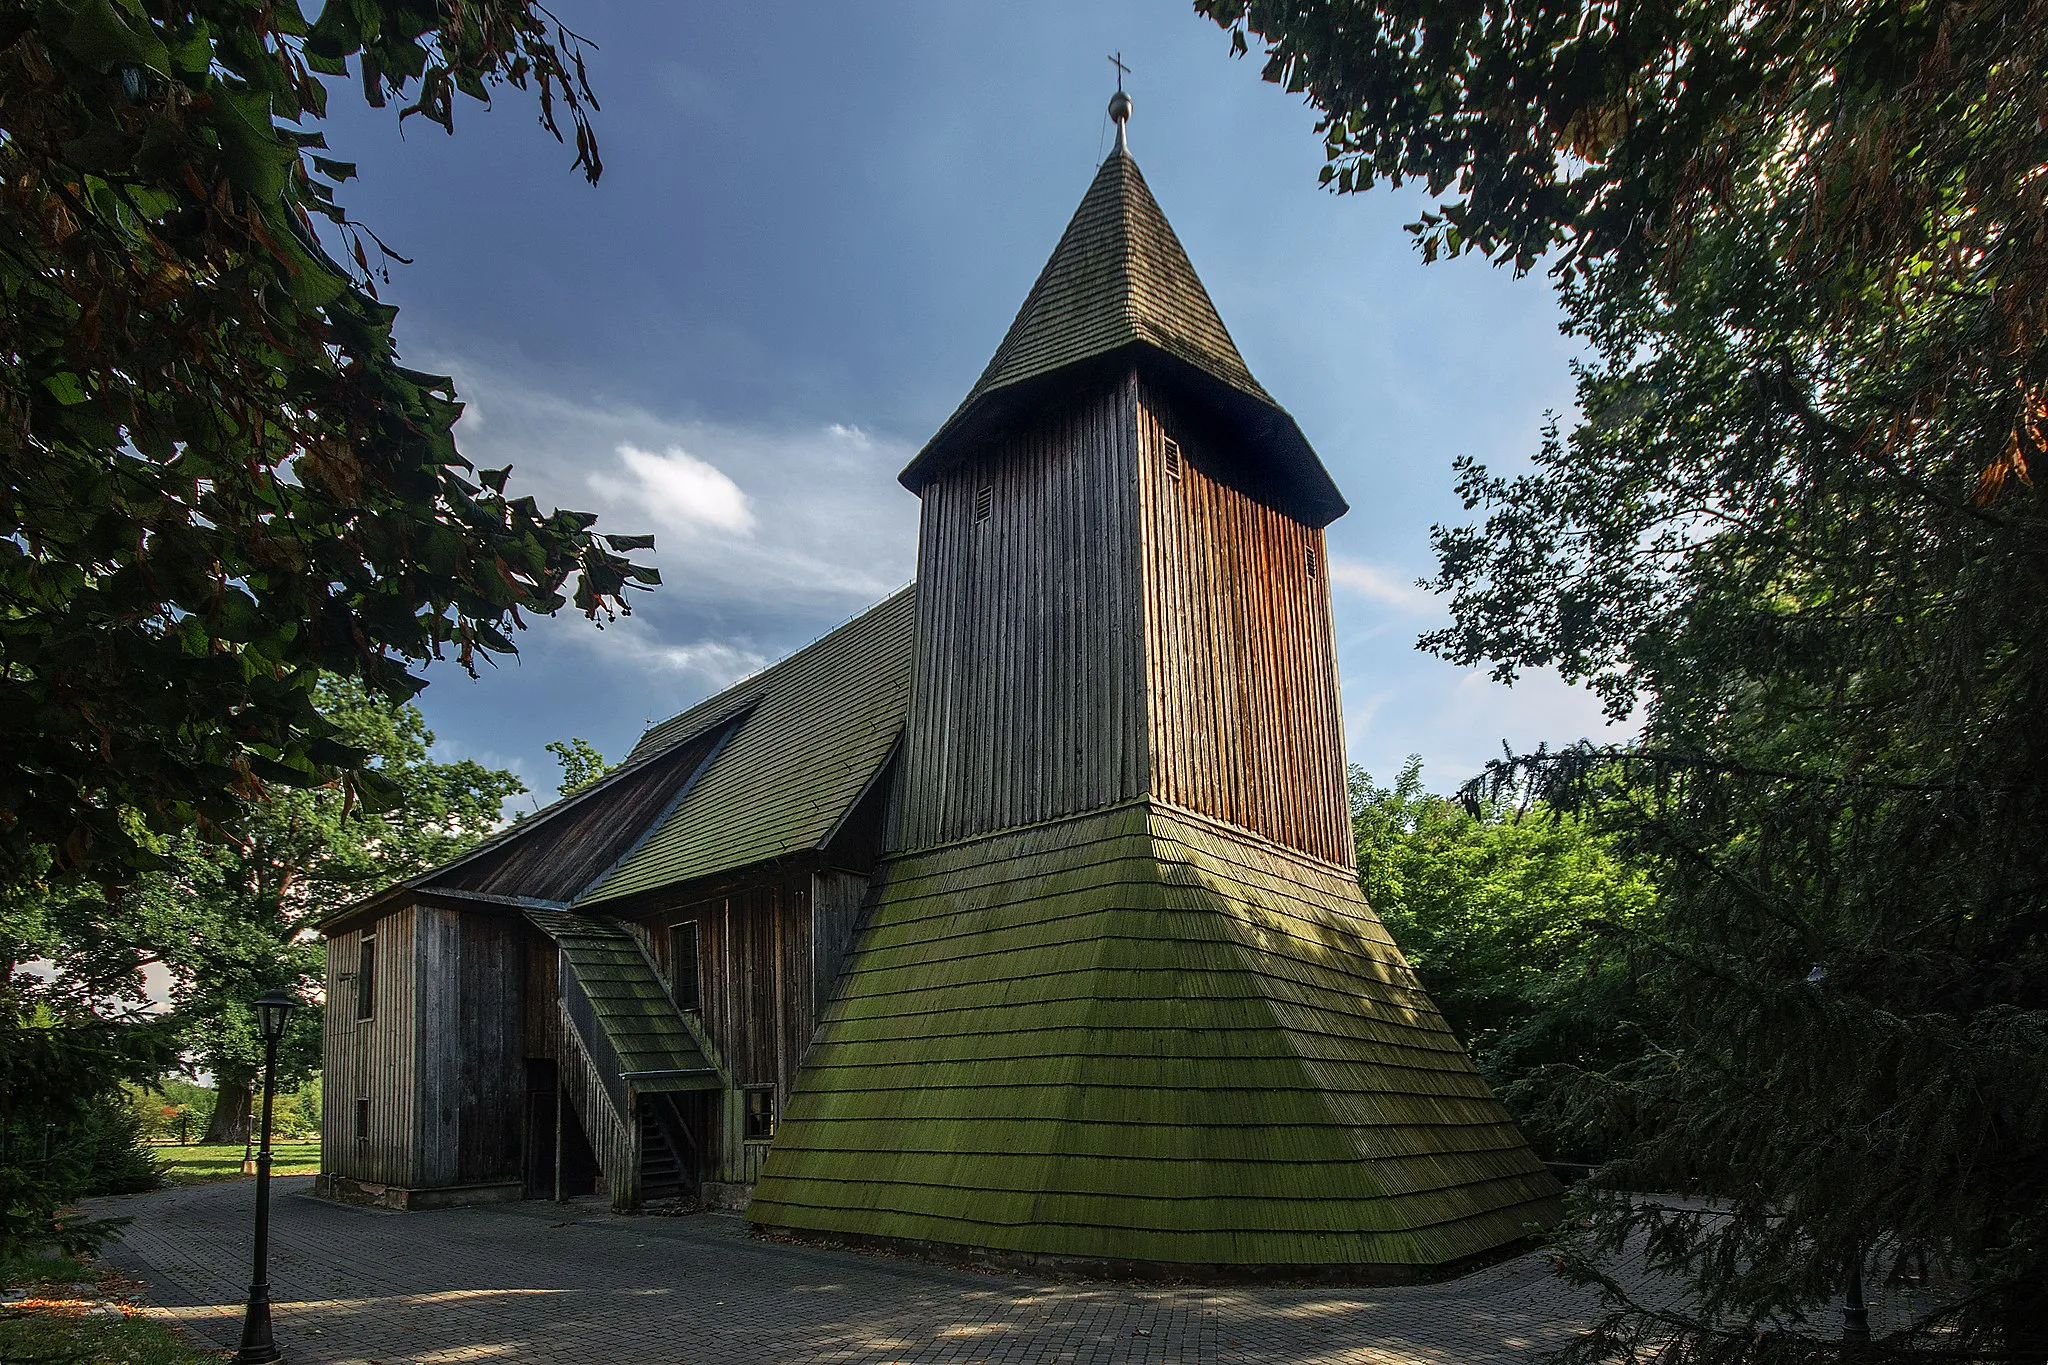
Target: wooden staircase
{"points": [[633, 1064], [667, 1157]]}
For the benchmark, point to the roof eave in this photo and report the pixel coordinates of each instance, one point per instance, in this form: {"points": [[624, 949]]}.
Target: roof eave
{"points": [[1286, 473], [411, 892]]}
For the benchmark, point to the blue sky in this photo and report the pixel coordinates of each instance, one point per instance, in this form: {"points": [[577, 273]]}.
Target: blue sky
{"points": [[815, 223]]}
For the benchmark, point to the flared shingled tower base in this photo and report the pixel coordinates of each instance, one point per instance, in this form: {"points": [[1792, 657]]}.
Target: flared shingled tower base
{"points": [[1138, 1041]]}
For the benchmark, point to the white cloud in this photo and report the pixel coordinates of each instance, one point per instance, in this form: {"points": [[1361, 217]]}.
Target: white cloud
{"points": [[678, 490], [775, 519], [716, 663], [1380, 586]]}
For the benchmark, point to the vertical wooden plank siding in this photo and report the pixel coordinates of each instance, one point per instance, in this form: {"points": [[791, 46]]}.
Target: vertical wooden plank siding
{"points": [[374, 1059], [490, 1056], [542, 1027], [1108, 632], [437, 1024], [339, 1071], [836, 901], [1245, 723], [1026, 692], [468, 1025], [757, 992]]}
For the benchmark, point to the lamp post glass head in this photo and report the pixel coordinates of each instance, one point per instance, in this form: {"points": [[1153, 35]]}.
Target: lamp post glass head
{"points": [[271, 1012]]}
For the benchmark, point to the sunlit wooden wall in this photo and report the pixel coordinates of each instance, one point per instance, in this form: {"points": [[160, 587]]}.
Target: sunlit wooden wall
{"points": [[1094, 627]]}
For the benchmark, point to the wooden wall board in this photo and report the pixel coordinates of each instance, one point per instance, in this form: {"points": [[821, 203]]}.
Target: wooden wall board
{"points": [[1027, 690], [435, 966], [469, 1028], [490, 1062], [373, 1059], [541, 1028], [838, 900], [1244, 718], [758, 973]]}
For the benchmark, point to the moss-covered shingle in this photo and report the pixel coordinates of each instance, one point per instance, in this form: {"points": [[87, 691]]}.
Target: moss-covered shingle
{"points": [[1132, 1036]]}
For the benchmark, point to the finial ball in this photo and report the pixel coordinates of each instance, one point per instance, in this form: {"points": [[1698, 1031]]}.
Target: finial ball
{"points": [[1120, 107]]}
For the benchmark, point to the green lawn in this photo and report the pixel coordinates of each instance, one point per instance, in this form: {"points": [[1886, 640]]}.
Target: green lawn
{"points": [[52, 1325], [32, 1333], [199, 1165]]}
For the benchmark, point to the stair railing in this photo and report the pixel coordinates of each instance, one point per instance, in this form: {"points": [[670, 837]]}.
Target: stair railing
{"points": [[604, 1058]]}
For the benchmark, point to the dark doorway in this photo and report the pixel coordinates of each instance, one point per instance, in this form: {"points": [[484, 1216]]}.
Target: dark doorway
{"points": [[580, 1172], [559, 1158], [540, 1128], [674, 1129]]}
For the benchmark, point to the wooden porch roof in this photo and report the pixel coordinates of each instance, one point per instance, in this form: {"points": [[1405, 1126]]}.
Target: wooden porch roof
{"points": [[653, 1043]]}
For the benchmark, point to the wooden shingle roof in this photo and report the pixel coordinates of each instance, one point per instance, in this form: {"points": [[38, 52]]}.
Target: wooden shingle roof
{"points": [[1118, 275], [1119, 288], [650, 1040], [1132, 1037], [812, 733]]}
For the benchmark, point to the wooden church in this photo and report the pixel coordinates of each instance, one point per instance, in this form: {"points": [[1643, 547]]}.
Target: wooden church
{"points": [[1017, 919]]}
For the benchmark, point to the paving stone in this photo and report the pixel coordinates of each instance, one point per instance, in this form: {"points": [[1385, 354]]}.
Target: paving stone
{"points": [[536, 1283]]}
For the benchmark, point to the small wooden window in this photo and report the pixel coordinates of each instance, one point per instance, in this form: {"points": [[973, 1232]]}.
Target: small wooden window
{"points": [[760, 1120], [362, 1119], [1313, 566], [683, 947], [984, 503], [366, 979], [1173, 461]]}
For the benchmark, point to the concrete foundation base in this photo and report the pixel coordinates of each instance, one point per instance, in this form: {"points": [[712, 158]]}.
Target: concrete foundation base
{"points": [[723, 1195], [370, 1194]]}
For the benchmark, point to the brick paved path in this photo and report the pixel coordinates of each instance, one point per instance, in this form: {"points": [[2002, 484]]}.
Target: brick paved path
{"points": [[542, 1282]]}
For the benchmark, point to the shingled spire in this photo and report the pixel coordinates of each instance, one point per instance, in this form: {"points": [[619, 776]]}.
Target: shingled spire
{"points": [[1118, 289], [1118, 276]]}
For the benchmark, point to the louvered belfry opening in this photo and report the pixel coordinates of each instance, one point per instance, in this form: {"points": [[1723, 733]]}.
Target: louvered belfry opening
{"points": [[1119, 1001]]}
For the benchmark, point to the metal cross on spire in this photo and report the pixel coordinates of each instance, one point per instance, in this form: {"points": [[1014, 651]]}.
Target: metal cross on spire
{"points": [[1120, 103]]}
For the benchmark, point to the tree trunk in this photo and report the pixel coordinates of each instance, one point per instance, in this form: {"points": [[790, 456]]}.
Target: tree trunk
{"points": [[230, 1121]]}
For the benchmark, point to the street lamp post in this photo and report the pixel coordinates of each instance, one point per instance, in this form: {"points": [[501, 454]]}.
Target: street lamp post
{"points": [[1855, 1312], [258, 1346]]}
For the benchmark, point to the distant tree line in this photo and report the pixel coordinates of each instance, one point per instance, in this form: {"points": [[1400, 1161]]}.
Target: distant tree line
{"points": [[1523, 923]]}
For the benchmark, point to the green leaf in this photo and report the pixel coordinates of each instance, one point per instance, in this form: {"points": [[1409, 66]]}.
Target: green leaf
{"points": [[334, 35], [256, 155], [104, 38], [192, 55], [66, 388]]}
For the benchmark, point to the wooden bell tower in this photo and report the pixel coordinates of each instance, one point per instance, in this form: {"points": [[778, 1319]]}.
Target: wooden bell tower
{"points": [[1118, 1002], [1123, 590]]}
